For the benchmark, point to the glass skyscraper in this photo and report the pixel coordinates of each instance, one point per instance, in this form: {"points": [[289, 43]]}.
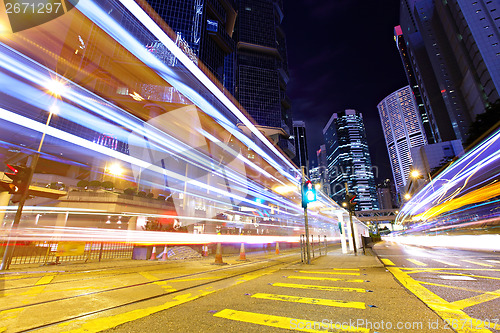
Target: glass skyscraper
{"points": [[403, 130], [349, 160], [454, 49], [262, 67], [207, 27], [300, 140]]}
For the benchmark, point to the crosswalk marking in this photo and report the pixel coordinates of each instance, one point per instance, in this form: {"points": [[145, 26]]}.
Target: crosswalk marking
{"points": [[330, 273], [44, 280], [308, 300], [286, 322], [323, 278], [387, 262], [416, 262], [445, 262], [477, 263], [315, 287]]}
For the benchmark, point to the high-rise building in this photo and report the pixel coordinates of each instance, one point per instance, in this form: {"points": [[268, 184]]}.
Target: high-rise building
{"points": [[300, 141], [384, 197], [348, 159], [322, 170], [262, 67], [207, 28], [412, 80], [403, 130], [454, 50], [429, 158]]}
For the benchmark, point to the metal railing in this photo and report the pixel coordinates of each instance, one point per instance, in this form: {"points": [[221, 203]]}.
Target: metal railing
{"points": [[51, 253], [315, 245]]}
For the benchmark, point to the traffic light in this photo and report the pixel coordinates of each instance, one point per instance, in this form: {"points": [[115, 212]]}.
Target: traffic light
{"points": [[308, 193], [350, 203], [20, 176]]}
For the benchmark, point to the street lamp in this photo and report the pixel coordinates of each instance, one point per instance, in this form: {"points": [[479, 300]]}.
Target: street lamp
{"points": [[407, 196], [55, 88], [415, 174]]}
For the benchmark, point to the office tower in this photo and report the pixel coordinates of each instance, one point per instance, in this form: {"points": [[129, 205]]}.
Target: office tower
{"points": [[207, 28], [300, 140], [412, 80], [384, 197], [262, 68], [403, 130], [322, 165], [454, 48], [430, 158], [348, 159]]}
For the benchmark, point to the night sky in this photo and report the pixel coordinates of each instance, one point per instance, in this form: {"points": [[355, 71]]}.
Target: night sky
{"points": [[342, 55]]}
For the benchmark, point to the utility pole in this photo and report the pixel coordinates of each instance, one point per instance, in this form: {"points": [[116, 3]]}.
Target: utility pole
{"points": [[306, 223], [350, 207]]}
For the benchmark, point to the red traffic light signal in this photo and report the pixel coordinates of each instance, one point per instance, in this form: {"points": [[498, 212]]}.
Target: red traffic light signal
{"points": [[20, 177]]}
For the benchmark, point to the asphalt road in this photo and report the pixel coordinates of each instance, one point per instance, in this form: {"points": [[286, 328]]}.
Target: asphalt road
{"points": [[461, 286]]}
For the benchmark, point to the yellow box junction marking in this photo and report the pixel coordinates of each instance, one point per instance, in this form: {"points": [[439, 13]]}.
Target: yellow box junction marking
{"points": [[284, 322], [307, 300], [45, 280], [387, 262], [323, 278], [162, 284], [477, 263], [444, 309], [330, 273], [416, 262], [314, 287], [478, 299], [101, 324], [445, 262]]}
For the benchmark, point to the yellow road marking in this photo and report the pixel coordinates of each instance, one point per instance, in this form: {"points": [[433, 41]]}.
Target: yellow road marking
{"points": [[284, 322], [101, 324], [335, 273], [45, 280], [322, 278], [194, 279], [416, 262], [346, 269], [445, 262], [387, 262], [477, 263], [478, 299], [314, 287], [148, 276], [307, 300], [443, 308], [459, 288]]}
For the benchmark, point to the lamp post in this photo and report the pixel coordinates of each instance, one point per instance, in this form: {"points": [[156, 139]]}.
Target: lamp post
{"points": [[55, 88]]}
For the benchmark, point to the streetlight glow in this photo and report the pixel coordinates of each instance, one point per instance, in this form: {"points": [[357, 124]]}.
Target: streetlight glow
{"points": [[56, 87], [115, 169], [415, 174], [407, 196]]}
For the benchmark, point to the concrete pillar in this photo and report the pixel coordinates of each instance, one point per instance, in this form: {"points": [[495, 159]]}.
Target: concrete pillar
{"points": [[349, 234]]}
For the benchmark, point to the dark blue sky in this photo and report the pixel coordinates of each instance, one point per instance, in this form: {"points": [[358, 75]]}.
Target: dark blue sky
{"points": [[342, 55]]}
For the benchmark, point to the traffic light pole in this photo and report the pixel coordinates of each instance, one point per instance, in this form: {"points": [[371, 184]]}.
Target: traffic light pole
{"points": [[350, 221], [9, 249], [306, 223]]}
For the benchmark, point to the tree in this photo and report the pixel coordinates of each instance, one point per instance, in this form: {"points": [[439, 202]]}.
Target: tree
{"points": [[83, 184], [484, 123], [95, 184], [130, 191], [141, 194], [108, 185]]}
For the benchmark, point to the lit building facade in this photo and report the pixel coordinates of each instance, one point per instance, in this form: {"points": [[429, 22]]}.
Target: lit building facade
{"points": [[207, 28], [403, 131], [348, 159], [454, 47], [262, 67], [300, 140], [429, 158]]}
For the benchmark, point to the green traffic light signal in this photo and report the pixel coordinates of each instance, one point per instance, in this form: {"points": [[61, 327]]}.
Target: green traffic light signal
{"points": [[308, 193]]}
